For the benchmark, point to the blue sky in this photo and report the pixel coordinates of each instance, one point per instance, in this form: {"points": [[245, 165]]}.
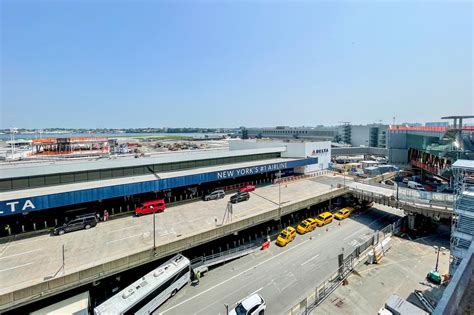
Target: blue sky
{"points": [[230, 63]]}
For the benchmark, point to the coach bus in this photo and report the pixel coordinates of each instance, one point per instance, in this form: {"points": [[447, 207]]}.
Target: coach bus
{"points": [[147, 293]]}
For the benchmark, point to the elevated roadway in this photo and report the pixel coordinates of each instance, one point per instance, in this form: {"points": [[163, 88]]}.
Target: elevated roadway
{"points": [[31, 269], [441, 208]]}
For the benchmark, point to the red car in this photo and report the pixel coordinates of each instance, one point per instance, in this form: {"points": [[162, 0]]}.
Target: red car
{"points": [[247, 188], [150, 207]]}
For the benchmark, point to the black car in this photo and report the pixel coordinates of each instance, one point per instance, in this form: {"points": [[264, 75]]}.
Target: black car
{"points": [[240, 196], [216, 194], [80, 223]]}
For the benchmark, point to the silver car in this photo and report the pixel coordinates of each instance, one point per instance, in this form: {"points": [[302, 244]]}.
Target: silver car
{"points": [[216, 194]]}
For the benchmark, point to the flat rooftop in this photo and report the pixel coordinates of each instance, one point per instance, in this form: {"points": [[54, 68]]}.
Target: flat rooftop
{"points": [[48, 190], [12, 170]]}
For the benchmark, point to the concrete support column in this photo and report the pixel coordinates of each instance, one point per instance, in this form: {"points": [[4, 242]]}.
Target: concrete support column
{"points": [[411, 221]]}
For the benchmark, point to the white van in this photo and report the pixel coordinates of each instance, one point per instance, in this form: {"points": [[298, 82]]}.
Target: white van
{"points": [[415, 185]]}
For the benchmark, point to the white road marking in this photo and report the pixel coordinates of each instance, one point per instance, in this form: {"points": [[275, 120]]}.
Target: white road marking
{"points": [[124, 238], [368, 225], [14, 255], [310, 260], [351, 235], [125, 228], [11, 268], [235, 276]]}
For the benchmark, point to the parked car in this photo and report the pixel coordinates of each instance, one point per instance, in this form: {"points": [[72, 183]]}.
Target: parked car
{"points": [[247, 188], [80, 223], [216, 194], [251, 305], [343, 213], [286, 236], [324, 218], [240, 196], [151, 207], [306, 226]]}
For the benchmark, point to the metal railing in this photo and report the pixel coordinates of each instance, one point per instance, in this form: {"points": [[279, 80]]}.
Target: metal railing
{"points": [[215, 258], [414, 202]]}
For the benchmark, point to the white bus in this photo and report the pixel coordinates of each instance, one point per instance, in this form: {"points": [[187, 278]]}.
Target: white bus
{"points": [[147, 293]]}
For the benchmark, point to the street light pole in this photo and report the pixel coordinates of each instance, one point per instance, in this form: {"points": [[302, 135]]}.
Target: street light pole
{"points": [[64, 262], [279, 195], [154, 230], [437, 259]]}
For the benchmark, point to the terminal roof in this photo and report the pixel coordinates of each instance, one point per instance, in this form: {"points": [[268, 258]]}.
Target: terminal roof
{"points": [[46, 168], [57, 189]]}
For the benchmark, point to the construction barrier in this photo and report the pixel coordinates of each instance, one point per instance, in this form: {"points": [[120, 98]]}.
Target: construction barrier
{"points": [[265, 245]]}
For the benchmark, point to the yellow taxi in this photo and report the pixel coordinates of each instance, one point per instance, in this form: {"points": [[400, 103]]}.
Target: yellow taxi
{"points": [[286, 236], [306, 226], [343, 213], [324, 218]]}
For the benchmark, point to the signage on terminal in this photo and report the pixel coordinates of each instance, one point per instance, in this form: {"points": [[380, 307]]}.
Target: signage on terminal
{"points": [[319, 151], [13, 205], [251, 170]]}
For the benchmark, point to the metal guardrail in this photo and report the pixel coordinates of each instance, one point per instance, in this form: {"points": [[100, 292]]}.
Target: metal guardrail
{"points": [[428, 208], [358, 255], [224, 256]]}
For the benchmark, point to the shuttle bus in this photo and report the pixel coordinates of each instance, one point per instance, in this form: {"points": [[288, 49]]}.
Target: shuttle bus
{"points": [[147, 293]]}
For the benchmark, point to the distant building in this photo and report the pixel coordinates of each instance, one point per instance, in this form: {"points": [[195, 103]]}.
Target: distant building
{"points": [[437, 124], [373, 135], [304, 133], [433, 149]]}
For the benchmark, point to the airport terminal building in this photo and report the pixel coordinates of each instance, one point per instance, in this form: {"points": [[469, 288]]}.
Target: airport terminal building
{"points": [[67, 188]]}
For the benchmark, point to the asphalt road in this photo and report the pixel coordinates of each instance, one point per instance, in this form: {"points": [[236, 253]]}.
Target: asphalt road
{"points": [[283, 276]]}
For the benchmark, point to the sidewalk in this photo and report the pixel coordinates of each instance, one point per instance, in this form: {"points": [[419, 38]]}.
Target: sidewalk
{"points": [[401, 272]]}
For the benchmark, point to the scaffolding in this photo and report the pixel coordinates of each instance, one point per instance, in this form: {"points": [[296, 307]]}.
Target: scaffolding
{"points": [[70, 146], [462, 231]]}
